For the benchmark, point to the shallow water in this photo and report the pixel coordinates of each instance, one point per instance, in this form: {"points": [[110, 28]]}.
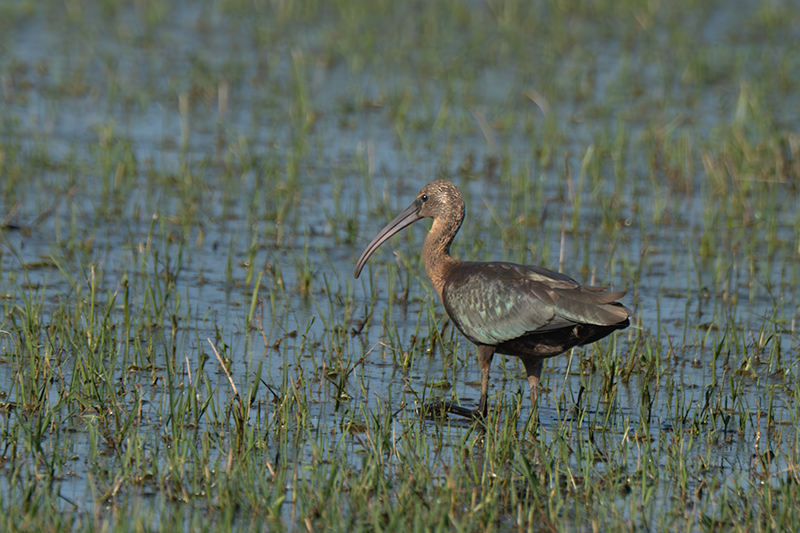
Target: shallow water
{"points": [[331, 150]]}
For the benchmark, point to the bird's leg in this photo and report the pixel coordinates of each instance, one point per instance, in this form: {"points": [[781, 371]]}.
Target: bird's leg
{"points": [[437, 408], [533, 367], [486, 353]]}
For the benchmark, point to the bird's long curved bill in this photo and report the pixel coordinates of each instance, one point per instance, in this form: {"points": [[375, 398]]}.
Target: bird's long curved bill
{"points": [[403, 220]]}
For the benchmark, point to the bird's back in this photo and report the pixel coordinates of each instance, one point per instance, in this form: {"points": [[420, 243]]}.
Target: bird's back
{"points": [[494, 303]]}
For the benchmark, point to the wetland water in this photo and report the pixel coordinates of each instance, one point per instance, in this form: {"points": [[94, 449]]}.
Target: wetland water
{"points": [[177, 176]]}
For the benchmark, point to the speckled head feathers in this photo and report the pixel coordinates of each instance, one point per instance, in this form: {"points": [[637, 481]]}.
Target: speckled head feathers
{"points": [[441, 199]]}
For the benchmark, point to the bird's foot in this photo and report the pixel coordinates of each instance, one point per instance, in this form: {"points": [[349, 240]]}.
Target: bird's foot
{"points": [[438, 409]]}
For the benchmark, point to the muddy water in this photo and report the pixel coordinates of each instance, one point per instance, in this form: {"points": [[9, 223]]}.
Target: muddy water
{"points": [[331, 167]]}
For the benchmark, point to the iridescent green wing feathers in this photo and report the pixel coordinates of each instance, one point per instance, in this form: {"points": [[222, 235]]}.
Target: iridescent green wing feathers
{"points": [[491, 303]]}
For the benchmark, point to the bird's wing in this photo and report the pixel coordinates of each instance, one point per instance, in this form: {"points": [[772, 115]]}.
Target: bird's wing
{"points": [[496, 302]]}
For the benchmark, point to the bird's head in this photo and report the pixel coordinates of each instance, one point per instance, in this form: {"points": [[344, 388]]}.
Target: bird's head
{"points": [[439, 200]]}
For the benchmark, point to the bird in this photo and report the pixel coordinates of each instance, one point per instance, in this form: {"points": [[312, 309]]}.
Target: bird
{"points": [[525, 311]]}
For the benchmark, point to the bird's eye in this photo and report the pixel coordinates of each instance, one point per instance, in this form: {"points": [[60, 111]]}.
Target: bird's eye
{"points": [[424, 197]]}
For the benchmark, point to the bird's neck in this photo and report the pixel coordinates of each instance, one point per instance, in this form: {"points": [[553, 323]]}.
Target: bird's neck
{"points": [[436, 252]]}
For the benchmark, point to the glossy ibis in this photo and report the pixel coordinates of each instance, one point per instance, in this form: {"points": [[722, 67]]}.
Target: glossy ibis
{"points": [[526, 311]]}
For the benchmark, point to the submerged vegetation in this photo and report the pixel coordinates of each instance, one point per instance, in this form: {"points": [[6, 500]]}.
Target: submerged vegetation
{"points": [[185, 188]]}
